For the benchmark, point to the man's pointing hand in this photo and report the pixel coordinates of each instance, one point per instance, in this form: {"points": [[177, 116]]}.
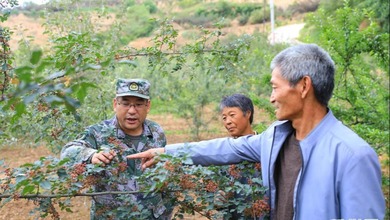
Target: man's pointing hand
{"points": [[147, 157]]}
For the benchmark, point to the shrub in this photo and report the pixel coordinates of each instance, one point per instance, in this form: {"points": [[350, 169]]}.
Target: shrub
{"points": [[259, 16]]}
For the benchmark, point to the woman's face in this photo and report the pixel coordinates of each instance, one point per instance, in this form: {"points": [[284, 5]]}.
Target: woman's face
{"points": [[235, 122]]}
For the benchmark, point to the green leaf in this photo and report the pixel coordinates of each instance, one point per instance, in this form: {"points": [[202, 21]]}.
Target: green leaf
{"points": [[4, 67], [45, 184], [21, 181], [20, 109], [92, 67], [30, 98], [27, 165], [52, 99], [81, 89], [28, 189], [62, 174], [42, 66], [130, 62], [63, 161], [71, 104], [24, 73], [56, 75], [36, 57]]}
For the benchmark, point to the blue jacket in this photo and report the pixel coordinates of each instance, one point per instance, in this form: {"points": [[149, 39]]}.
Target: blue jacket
{"points": [[340, 176]]}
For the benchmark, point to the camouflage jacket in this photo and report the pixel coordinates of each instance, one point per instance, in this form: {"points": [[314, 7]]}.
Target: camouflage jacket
{"points": [[108, 136]]}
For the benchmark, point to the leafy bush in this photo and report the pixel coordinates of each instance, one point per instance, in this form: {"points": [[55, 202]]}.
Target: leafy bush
{"points": [[191, 188], [361, 55], [380, 8], [303, 7], [243, 19], [188, 3], [227, 9], [259, 16], [137, 23], [195, 20], [149, 4]]}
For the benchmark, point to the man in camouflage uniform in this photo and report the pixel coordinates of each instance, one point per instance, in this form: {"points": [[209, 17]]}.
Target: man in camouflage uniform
{"points": [[109, 142]]}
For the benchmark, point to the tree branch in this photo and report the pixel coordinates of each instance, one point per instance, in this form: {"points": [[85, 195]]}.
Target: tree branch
{"points": [[69, 195]]}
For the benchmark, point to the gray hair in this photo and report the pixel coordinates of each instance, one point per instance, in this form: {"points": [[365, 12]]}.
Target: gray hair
{"points": [[240, 101], [308, 60]]}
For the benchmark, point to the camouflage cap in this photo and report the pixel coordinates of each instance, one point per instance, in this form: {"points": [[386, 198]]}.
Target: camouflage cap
{"points": [[133, 87]]}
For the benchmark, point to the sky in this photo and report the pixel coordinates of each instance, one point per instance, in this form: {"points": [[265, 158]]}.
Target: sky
{"points": [[38, 2]]}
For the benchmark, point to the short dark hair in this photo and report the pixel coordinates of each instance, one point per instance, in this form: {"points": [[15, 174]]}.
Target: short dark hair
{"points": [[238, 100]]}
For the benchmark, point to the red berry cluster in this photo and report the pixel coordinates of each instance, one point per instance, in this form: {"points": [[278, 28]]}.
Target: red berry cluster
{"points": [[259, 208], [101, 210], [16, 196], [32, 173], [114, 141], [234, 172], [258, 166], [4, 186], [134, 208], [211, 186], [42, 107], [186, 183], [78, 169], [169, 166], [122, 167], [8, 172], [89, 181]]}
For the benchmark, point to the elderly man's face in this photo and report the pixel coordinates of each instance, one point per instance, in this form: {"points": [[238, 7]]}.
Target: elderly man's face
{"points": [[131, 113], [286, 99]]}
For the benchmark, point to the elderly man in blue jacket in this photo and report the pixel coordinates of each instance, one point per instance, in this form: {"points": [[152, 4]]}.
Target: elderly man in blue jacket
{"points": [[314, 166]]}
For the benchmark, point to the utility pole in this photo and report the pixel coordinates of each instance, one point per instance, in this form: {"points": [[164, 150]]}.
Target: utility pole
{"points": [[264, 15], [271, 5]]}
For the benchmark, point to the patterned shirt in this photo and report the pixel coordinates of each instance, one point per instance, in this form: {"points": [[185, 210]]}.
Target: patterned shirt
{"points": [[106, 136]]}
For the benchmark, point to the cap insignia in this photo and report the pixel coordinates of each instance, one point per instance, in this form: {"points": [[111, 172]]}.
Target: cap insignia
{"points": [[133, 86]]}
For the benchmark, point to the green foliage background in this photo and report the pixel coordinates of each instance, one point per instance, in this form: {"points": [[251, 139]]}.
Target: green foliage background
{"points": [[49, 94]]}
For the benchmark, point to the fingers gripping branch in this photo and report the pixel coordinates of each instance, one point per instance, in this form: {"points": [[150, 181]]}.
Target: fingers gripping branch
{"points": [[103, 157]]}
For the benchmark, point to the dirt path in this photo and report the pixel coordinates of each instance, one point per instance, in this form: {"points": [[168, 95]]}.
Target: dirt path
{"points": [[286, 34]]}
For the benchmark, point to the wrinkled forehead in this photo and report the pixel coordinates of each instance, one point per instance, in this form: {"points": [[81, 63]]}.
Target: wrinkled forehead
{"points": [[276, 76]]}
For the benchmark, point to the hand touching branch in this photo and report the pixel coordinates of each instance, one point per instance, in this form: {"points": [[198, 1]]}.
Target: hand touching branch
{"points": [[103, 157], [147, 157]]}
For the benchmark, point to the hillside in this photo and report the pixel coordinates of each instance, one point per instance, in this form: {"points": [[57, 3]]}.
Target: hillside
{"points": [[31, 30]]}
